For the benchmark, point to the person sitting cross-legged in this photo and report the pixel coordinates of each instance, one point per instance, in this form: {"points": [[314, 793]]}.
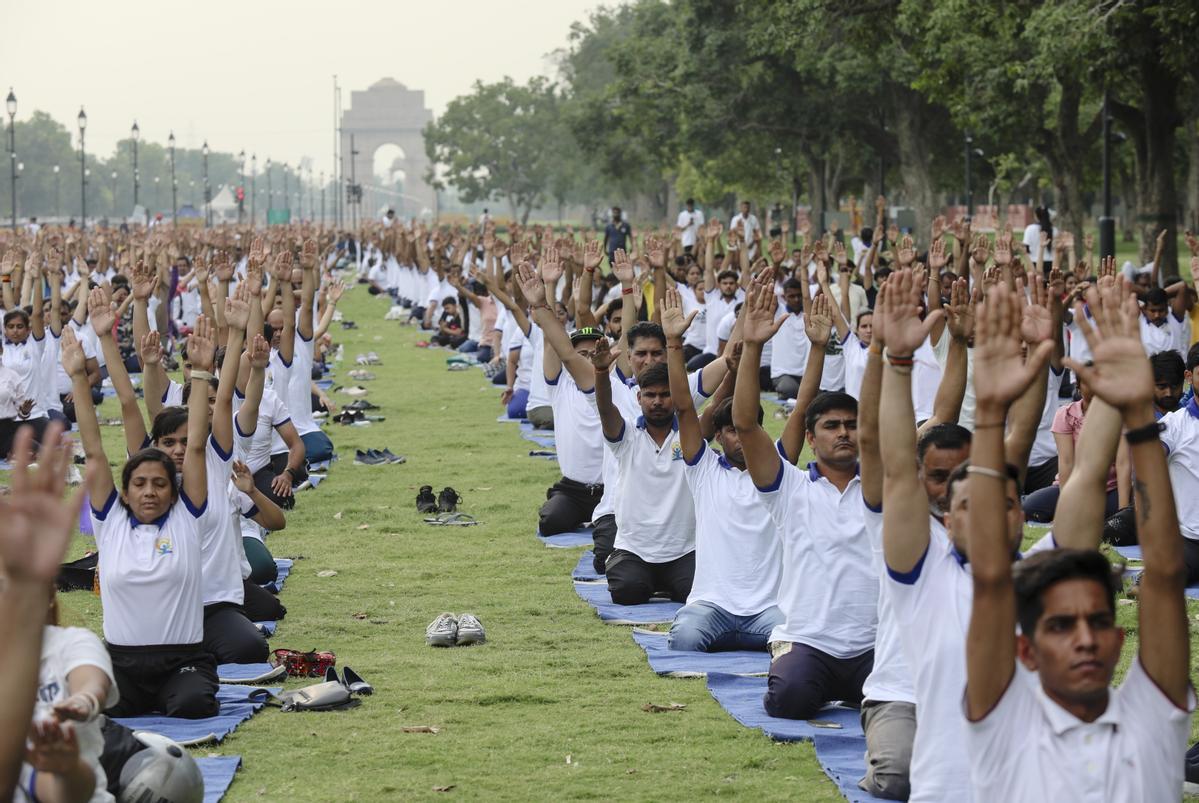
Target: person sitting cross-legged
{"points": [[738, 560], [1066, 734], [655, 516]]}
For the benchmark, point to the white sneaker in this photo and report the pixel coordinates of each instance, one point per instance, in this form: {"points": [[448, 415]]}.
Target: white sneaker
{"points": [[470, 630], [442, 631]]}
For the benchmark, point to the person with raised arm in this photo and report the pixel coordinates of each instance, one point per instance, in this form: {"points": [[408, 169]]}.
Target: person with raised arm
{"points": [[828, 594], [1126, 743], [152, 557], [732, 605]]}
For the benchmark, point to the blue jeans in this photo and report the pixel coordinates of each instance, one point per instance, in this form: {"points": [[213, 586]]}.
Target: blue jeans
{"points": [[704, 627], [516, 407], [469, 346], [317, 446]]}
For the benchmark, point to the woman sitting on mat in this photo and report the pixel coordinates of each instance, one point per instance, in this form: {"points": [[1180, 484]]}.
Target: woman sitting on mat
{"points": [[150, 582]]}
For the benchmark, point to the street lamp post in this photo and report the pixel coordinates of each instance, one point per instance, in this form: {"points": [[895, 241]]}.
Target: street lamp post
{"points": [[322, 196], [156, 203], [174, 183], [207, 196], [969, 194], [192, 196], [135, 133], [253, 184], [270, 193], [82, 120], [286, 192], [114, 193], [1107, 224], [57, 208], [241, 197], [11, 105]]}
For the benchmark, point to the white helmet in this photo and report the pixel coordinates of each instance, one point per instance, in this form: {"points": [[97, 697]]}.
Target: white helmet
{"points": [[163, 772]]}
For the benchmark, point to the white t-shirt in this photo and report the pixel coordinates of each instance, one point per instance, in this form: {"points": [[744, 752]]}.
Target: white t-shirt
{"points": [[62, 379], [299, 387], [65, 649], [696, 335], [51, 359], [1030, 748], [577, 430], [1044, 448], [272, 413], [25, 359], [1158, 338], [717, 306], [655, 515], [150, 567], [926, 378], [689, 222], [855, 354], [1181, 439], [932, 606], [829, 591], [891, 679], [539, 392], [1032, 240], [789, 356], [219, 542], [738, 553]]}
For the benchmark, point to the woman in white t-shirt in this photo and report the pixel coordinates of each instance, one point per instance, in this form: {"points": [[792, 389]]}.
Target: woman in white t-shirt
{"points": [[75, 684], [150, 569], [1032, 238]]}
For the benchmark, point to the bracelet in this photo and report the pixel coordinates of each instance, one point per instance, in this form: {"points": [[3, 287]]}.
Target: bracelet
{"points": [[992, 425], [1145, 434], [589, 270], [205, 376], [877, 352], [983, 471], [900, 362], [626, 291], [290, 473]]}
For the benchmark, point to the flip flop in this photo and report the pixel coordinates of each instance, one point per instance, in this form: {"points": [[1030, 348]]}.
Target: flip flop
{"points": [[452, 519]]}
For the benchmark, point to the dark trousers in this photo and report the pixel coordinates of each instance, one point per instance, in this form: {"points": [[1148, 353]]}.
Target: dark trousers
{"points": [[10, 426], [1190, 554], [230, 637], [803, 679], [263, 568], [603, 539], [261, 605], [68, 407], [567, 505], [1041, 476], [690, 352], [1040, 506], [632, 581], [178, 680], [699, 361], [264, 476], [787, 385]]}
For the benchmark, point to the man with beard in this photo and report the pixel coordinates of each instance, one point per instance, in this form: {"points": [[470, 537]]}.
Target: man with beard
{"points": [[1169, 378], [824, 650], [654, 549]]}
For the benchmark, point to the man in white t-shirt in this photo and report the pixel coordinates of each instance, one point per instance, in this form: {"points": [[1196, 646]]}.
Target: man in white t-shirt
{"points": [[824, 650], [690, 219], [738, 554], [654, 549], [789, 354], [1066, 733], [751, 229]]}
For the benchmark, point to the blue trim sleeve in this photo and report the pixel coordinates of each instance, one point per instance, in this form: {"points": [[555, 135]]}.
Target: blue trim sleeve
{"points": [[553, 381], [588, 392], [216, 447], [103, 512], [909, 578], [703, 447], [778, 480], [619, 437], [196, 512], [252, 512], [284, 421], [873, 508], [699, 383], [237, 428]]}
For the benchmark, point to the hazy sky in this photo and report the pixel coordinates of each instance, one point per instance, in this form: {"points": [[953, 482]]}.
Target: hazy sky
{"points": [[258, 74]]}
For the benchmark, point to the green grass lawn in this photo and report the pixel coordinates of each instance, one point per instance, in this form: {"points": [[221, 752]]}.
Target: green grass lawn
{"points": [[549, 708]]}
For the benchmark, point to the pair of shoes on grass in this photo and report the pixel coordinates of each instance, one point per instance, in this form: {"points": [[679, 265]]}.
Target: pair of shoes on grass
{"points": [[377, 457], [445, 502], [350, 679], [448, 630]]}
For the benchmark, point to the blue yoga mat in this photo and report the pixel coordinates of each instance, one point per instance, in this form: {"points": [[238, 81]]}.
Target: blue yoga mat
{"points": [[270, 627], [218, 772], [684, 663], [320, 466], [248, 673], [236, 708], [324, 384], [654, 612], [567, 540], [585, 570], [841, 752], [504, 419], [5, 465], [284, 567], [544, 441], [1134, 553], [1130, 552], [542, 454]]}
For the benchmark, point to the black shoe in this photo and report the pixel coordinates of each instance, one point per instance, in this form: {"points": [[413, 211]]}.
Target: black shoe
{"points": [[331, 675], [393, 458], [425, 501], [361, 404], [362, 458], [447, 500], [354, 682]]}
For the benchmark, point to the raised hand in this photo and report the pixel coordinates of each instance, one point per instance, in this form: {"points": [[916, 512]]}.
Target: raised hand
{"points": [[905, 254], [980, 249], [758, 322], [900, 315], [237, 308], [150, 349], [674, 325], [100, 311], [308, 254], [655, 252], [591, 254], [243, 480], [777, 252], [1037, 322], [1119, 371], [531, 284], [1001, 374], [38, 522], [622, 268], [282, 267], [256, 256], [201, 345], [818, 322], [71, 354], [259, 351], [839, 255], [145, 281], [937, 258], [603, 356], [551, 267], [338, 288], [1107, 266], [223, 265]]}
